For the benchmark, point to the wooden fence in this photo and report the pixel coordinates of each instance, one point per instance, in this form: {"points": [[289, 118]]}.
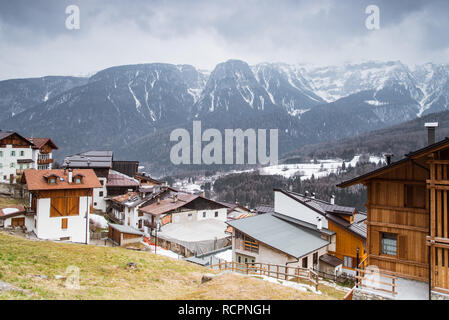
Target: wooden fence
{"points": [[390, 282], [271, 270]]}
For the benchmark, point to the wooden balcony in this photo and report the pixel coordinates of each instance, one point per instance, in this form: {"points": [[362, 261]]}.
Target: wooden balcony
{"points": [[44, 161]]}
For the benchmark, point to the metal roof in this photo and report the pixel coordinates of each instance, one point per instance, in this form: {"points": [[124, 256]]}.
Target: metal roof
{"points": [[125, 229], [97, 159], [284, 236]]}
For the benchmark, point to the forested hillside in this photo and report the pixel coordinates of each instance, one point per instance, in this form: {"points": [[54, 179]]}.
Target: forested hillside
{"points": [[254, 189]]}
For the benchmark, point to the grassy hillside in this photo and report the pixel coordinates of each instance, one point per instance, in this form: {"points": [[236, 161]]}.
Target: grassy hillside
{"points": [[32, 266]]}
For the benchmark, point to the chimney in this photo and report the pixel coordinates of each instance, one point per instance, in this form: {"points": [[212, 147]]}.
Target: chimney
{"points": [[333, 199], [203, 194], [320, 224], [175, 198], [431, 131], [388, 157], [158, 200], [70, 176]]}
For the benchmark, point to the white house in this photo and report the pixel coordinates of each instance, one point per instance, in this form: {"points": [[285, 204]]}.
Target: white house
{"points": [[16, 154], [61, 201], [42, 153]]}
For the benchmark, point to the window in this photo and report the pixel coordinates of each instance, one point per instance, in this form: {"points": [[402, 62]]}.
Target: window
{"points": [[315, 258], [52, 181], [305, 262], [102, 182], [216, 214], [22, 153], [347, 262], [100, 193], [389, 244], [1, 153], [414, 196], [13, 153], [64, 223], [12, 165], [204, 214], [240, 259], [1, 165]]}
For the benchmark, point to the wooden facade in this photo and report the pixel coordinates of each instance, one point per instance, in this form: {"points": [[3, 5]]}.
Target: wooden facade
{"points": [[408, 210], [347, 244]]}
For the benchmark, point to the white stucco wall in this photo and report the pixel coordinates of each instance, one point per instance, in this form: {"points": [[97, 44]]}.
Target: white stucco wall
{"points": [[285, 205], [50, 227], [7, 159], [99, 201], [197, 215]]}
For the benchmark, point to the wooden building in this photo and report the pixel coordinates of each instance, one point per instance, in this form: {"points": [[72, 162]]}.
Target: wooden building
{"points": [[348, 243], [407, 221], [61, 202]]}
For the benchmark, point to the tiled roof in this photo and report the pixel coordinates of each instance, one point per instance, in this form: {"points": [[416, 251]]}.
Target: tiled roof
{"points": [[169, 204], [40, 142], [35, 179], [117, 179]]}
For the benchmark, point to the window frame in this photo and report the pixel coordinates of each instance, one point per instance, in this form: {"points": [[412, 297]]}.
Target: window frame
{"points": [[382, 238]]}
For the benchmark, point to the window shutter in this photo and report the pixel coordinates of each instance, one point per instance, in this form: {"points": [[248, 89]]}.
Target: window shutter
{"points": [[64, 223], [402, 250]]}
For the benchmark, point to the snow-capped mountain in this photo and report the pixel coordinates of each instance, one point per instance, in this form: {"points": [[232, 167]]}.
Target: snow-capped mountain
{"points": [[286, 87], [17, 95], [233, 88], [129, 107]]}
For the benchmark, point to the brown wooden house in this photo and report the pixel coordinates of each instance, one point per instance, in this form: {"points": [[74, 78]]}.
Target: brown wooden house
{"points": [[407, 221]]}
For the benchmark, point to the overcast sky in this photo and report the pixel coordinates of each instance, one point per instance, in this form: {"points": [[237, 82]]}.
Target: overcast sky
{"points": [[34, 40]]}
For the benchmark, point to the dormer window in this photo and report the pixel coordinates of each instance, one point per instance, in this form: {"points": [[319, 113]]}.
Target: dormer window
{"points": [[52, 180], [78, 178]]}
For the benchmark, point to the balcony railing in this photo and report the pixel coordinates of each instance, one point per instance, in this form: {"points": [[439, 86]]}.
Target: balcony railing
{"points": [[44, 161]]}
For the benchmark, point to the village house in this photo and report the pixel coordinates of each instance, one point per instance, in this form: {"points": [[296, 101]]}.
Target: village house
{"points": [[16, 217], [113, 175], [101, 163], [349, 241], [407, 221], [16, 154], [270, 239], [42, 153], [124, 209], [60, 203], [186, 223]]}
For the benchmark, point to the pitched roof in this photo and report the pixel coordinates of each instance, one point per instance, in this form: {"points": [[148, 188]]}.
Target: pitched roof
{"points": [[40, 142], [169, 204], [91, 159], [264, 208], [331, 260], [408, 157], [36, 179], [125, 229], [284, 236], [117, 179], [320, 206], [331, 212], [11, 210], [5, 134]]}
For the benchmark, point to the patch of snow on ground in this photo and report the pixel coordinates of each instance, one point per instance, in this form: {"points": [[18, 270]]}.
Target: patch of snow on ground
{"points": [[162, 251], [225, 255], [299, 286]]}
